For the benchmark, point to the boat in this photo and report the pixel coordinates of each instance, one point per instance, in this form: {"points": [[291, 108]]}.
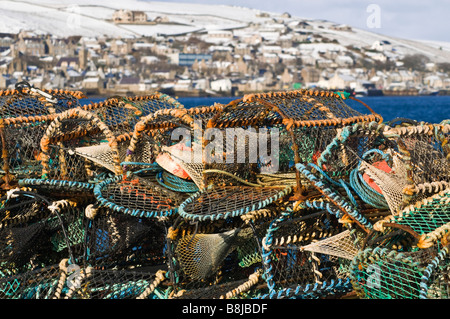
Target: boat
{"points": [[429, 92]]}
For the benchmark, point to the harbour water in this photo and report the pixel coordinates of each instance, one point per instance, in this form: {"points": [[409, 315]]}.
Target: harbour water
{"points": [[431, 109]]}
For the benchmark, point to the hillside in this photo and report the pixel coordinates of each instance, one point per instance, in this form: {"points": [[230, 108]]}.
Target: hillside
{"points": [[92, 18]]}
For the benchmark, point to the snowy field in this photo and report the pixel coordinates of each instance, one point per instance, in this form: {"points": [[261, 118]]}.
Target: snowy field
{"points": [[90, 18]]}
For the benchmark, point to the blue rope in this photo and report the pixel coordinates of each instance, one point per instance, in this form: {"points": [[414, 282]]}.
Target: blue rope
{"points": [[358, 184], [311, 291], [334, 196], [265, 255], [338, 183], [429, 271], [70, 185], [233, 213], [175, 183], [323, 204], [121, 209], [364, 191]]}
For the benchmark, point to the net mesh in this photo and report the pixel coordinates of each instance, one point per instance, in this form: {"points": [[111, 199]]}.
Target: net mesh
{"points": [[340, 245], [201, 255], [388, 274], [138, 197], [40, 283], [428, 220], [114, 240], [296, 255], [91, 283], [229, 201]]}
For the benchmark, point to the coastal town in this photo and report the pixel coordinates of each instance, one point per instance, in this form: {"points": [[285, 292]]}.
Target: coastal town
{"points": [[281, 54]]}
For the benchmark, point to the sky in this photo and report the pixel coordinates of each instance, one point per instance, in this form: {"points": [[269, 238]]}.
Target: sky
{"points": [[408, 19]]}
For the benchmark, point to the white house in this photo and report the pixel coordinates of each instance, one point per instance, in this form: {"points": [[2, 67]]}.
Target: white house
{"points": [[221, 85], [129, 16], [433, 81], [288, 58], [149, 59], [341, 81], [92, 83], [271, 49], [270, 58], [184, 85], [378, 56], [218, 36], [381, 45], [344, 61]]}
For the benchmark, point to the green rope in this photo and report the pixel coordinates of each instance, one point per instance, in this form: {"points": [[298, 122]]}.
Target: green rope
{"points": [[343, 95]]}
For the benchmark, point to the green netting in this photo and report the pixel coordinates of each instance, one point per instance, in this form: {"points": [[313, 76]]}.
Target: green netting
{"points": [[381, 273], [429, 218], [431, 214]]}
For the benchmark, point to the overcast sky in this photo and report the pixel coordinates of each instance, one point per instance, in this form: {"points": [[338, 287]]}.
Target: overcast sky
{"points": [[409, 19]]}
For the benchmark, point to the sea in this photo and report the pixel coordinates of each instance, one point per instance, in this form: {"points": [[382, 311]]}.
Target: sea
{"points": [[430, 109]]}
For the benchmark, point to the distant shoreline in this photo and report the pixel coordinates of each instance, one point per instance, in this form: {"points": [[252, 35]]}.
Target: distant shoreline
{"points": [[100, 96]]}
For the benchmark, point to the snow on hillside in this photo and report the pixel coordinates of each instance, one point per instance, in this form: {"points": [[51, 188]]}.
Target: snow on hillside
{"points": [[91, 18], [362, 38]]}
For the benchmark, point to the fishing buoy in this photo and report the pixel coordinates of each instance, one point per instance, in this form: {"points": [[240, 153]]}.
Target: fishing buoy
{"points": [[165, 160], [381, 165]]}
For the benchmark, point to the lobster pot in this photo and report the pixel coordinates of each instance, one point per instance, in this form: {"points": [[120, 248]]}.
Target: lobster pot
{"points": [[26, 102], [121, 114], [382, 273], [36, 232], [141, 122], [224, 243], [22, 236], [295, 270], [77, 146], [348, 148], [25, 115], [114, 239], [82, 142], [256, 143], [253, 136], [59, 189], [147, 148], [167, 137], [426, 147], [118, 117], [41, 283], [21, 145], [305, 121], [365, 167]]}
